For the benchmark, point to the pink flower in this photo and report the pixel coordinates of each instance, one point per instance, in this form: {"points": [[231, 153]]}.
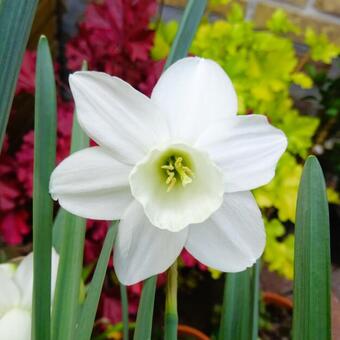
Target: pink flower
{"points": [[190, 261], [115, 37], [14, 226], [26, 80]]}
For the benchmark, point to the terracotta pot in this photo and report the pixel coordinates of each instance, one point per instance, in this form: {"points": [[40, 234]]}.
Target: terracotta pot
{"points": [[277, 299], [187, 330]]}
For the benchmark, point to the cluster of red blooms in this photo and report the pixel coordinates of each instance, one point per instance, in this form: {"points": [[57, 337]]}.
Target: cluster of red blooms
{"points": [[114, 37]]}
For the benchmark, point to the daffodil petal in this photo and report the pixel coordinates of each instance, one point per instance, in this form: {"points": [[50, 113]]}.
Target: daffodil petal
{"points": [[9, 293], [117, 116], [92, 184], [54, 271], [16, 325], [246, 148], [23, 278], [8, 269], [142, 250], [233, 238], [194, 92]]}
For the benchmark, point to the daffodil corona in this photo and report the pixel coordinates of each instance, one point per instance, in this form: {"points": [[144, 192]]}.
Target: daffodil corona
{"points": [[176, 169]]}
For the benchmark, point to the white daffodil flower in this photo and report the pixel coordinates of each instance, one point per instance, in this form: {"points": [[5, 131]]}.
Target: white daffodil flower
{"points": [[16, 287], [176, 169]]}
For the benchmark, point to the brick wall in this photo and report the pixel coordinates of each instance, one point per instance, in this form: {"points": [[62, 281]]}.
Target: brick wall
{"points": [[322, 15]]}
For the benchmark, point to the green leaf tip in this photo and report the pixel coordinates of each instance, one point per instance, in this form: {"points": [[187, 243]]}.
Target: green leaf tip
{"points": [[312, 316]]}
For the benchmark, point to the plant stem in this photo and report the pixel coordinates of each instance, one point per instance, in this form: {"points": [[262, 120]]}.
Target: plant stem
{"points": [[171, 317], [125, 311]]}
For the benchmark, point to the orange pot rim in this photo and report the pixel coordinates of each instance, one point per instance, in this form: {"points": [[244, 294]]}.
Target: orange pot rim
{"points": [[188, 330], [277, 299]]}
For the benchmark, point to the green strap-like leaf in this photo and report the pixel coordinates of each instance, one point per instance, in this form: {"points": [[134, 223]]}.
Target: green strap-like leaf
{"points": [[145, 310], [58, 228], [69, 236], [66, 298], [187, 29], [125, 311], [255, 299], [44, 162], [312, 317], [16, 18], [236, 311], [89, 309]]}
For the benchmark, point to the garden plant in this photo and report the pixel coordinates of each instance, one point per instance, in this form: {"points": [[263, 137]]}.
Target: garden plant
{"points": [[181, 148]]}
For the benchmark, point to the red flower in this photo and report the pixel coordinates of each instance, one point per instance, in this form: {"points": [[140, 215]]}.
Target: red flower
{"points": [[14, 226], [115, 37], [26, 79]]}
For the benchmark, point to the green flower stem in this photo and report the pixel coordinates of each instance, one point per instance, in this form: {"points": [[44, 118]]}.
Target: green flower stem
{"points": [[171, 316]]}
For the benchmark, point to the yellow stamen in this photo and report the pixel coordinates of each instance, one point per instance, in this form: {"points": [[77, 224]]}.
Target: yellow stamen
{"points": [[171, 185], [177, 168]]}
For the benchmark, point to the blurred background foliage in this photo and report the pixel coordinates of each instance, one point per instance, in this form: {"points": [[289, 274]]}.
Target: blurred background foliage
{"points": [[263, 66]]}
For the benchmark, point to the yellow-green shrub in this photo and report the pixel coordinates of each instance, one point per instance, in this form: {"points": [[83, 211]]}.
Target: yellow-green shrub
{"points": [[263, 65]]}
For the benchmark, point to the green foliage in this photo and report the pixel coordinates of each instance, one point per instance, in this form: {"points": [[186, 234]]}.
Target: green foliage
{"points": [[44, 161], [87, 313], [281, 192], [279, 255], [320, 47], [218, 2], [236, 310], [263, 65], [279, 23], [312, 293], [166, 33], [14, 38], [240, 310]]}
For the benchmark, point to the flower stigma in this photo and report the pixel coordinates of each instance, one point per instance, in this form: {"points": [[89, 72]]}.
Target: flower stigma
{"points": [[177, 170]]}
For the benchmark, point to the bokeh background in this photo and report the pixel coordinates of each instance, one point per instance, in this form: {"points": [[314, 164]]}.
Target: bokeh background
{"points": [[282, 57]]}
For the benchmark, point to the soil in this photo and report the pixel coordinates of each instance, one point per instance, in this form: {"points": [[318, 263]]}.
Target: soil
{"points": [[275, 323]]}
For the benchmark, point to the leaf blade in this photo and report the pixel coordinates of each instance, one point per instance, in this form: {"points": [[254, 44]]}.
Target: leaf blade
{"points": [[145, 310], [125, 311], [236, 311], [44, 161], [311, 314], [14, 38]]}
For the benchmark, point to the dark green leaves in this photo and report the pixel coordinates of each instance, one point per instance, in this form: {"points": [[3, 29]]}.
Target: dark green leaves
{"points": [[312, 319], [16, 18], [44, 162], [239, 319], [236, 311]]}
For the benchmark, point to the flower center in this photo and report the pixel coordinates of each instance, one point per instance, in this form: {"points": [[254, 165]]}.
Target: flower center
{"points": [[176, 170]]}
